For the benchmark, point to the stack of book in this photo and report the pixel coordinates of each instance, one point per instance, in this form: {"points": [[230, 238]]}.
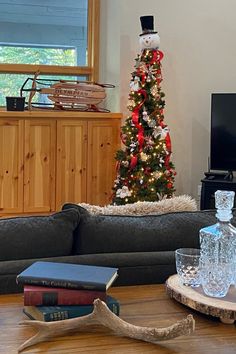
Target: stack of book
{"points": [[58, 291]]}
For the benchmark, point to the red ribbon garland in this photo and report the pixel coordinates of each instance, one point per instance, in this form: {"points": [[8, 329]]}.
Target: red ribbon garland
{"points": [[135, 120], [167, 161], [168, 142], [140, 138], [168, 146], [160, 55], [157, 56], [133, 161], [135, 114]]}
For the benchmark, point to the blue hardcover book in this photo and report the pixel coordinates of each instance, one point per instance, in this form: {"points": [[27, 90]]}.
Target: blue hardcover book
{"points": [[66, 275], [58, 313]]}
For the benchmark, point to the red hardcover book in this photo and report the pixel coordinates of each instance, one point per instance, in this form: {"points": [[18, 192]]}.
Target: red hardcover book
{"points": [[41, 295]]}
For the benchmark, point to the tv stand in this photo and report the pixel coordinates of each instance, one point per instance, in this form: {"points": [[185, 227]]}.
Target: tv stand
{"points": [[219, 175], [229, 176], [211, 185]]}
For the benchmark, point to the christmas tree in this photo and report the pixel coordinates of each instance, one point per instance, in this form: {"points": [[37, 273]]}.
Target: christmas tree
{"points": [[144, 168]]}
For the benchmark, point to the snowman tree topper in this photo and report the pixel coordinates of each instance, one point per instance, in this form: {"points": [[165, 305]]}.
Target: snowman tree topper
{"points": [[149, 39]]}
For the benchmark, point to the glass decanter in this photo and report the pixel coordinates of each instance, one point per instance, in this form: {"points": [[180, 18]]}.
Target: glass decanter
{"points": [[218, 248]]}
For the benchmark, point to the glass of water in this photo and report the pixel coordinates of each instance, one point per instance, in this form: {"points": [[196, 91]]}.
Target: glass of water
{"points": [[187, 266]]}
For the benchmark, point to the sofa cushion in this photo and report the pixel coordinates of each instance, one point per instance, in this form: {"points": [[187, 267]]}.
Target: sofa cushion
{"points": [[121, 233], [38, 236]]}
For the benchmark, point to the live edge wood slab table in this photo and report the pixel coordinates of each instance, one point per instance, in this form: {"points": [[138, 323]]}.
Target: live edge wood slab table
{"points": [[147, 305], [223, 308]]}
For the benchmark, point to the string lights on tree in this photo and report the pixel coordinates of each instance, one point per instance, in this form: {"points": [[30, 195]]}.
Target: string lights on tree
{"points": [[145, 171]]}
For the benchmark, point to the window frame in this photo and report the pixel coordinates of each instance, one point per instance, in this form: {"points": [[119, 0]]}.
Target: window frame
{"points": [[91, 70]]}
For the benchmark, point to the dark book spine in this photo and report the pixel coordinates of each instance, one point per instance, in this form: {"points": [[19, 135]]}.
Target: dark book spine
{"points": [[60, 283], [60, 313], [34, 296]]}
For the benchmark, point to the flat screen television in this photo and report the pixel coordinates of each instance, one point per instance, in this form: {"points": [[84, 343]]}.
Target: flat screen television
{"points": [[223, 132]]}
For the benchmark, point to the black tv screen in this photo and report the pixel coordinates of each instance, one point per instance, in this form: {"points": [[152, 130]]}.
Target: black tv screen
{"points": [[223, 132]]}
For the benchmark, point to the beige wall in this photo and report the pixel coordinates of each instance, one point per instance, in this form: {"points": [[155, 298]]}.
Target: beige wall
{"points": [[198, 38]]}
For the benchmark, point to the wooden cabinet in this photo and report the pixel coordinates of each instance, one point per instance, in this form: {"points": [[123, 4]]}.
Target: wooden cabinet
{"points": [[50, 158]]}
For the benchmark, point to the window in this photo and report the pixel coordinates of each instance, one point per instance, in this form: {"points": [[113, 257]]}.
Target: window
{"points": [[50, 55], [54, 37]]}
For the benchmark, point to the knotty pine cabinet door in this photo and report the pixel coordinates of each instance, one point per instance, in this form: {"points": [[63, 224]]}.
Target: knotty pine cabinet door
{"points": [[103, 142], [86, 160], [39, 165], [71, 161], [11, 165]]}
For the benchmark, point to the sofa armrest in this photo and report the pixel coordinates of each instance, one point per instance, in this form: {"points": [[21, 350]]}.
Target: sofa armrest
{"points": [[38, 236]]}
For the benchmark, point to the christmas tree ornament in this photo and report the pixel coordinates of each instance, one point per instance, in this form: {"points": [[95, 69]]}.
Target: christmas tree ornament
{"points": [[125, 163], [151, 123], [144, 169], [134, 85], [157, 174], [154, 91], [145, 116], [157, 131], [143, 156], [123, 192]]}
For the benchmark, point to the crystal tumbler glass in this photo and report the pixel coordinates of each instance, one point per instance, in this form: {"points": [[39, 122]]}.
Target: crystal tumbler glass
{"points": [[187, 266]]}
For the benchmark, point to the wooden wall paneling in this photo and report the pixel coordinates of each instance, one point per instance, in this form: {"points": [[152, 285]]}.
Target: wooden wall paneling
{"points": [[103, 142], [71, 161], [39, 174], [11, 165]]}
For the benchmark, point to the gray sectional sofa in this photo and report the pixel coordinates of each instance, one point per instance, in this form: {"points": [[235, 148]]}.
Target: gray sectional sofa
{"points": [[142, 247]]}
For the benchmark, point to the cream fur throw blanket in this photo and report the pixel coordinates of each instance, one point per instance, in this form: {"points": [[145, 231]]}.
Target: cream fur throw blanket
{"points": [[175, 204]]}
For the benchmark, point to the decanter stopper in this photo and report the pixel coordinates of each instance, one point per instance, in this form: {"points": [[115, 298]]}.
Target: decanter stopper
{"points": [[224, 202]]}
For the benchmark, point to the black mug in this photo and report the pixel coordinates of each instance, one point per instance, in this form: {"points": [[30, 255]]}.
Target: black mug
{"points": [[15, 103]]}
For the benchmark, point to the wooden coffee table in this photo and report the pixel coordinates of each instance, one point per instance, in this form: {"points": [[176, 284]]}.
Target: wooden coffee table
{"points": [[146, 305]]}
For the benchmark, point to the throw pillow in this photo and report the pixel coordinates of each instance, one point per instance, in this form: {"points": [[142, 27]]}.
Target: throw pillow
{"points": [[38, 236], [175, 204]]}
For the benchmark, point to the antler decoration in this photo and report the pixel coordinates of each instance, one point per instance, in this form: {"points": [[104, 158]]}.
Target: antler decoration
{"points": [[102, 315]]}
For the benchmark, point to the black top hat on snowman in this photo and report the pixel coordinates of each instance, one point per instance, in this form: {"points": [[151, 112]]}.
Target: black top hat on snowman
{"points": [[147, 25]]}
